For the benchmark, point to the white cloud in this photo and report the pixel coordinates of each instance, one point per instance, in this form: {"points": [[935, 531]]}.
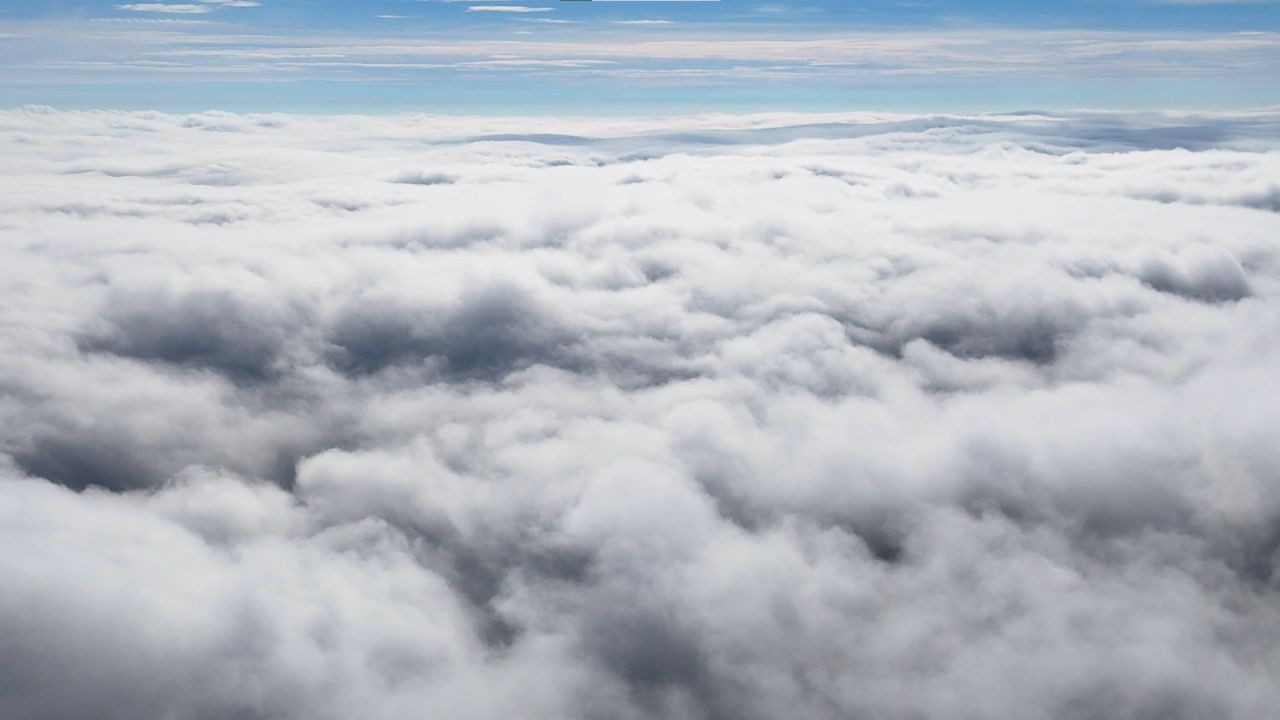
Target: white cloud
{"points": [[676, 55], [508, 8], [716, 417], [176, 8]]}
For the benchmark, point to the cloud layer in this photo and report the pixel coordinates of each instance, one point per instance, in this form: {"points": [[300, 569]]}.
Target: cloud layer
{"points": [[166, 42], [717, 417]]}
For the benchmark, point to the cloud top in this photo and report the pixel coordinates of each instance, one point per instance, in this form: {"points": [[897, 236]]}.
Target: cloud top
{"points": [[717, 417]]}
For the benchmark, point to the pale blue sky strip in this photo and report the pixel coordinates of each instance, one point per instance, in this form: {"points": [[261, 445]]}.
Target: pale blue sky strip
{"points": [[606, 56]]}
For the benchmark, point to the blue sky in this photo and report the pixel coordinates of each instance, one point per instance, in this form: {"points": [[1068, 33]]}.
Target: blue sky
{"points": [[659, 56]]}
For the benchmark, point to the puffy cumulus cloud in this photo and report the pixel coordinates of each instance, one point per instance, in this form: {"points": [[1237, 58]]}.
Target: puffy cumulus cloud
{"points": [[813, 416]]}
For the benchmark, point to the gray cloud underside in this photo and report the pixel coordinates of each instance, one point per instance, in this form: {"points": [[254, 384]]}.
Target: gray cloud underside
{"points": [[778, 416]]}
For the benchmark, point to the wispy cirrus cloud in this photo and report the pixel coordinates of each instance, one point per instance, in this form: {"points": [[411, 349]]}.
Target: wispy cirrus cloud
{"points": [[508, 9], [204, 6], [175, 8]]}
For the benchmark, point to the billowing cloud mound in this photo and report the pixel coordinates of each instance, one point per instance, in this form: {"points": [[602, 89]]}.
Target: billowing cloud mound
{"points": [[717, 418]]}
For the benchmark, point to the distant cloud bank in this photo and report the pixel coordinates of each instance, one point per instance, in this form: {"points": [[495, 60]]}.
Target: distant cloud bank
{"points": [[839, 416]]}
